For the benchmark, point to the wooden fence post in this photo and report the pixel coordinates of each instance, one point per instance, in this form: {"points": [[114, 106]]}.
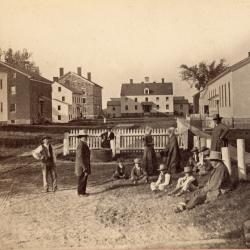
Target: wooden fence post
{"points": [[208, 142], [241, 159], [66, 144], [118, 142], [202, 142], [197, 141], [226, 158]]}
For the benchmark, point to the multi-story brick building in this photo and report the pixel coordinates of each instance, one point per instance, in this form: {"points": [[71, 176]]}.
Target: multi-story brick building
{"points": [[86, 96], [25, 97], [181, 106], [114, 107], [146, 98]]}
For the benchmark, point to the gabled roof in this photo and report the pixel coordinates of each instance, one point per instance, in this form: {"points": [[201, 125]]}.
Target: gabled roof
{"points": [[137, 89], [81, 77], [232, 68], [32, 76], [71, 88], [180, 100], [114, 103]]}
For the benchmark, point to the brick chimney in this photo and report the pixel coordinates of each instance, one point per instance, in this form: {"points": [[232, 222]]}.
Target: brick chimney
{"points": [[89, 76], [131, 81], [61, 73], [146, 79], [162, 80], [55, 79], [79, 71]]}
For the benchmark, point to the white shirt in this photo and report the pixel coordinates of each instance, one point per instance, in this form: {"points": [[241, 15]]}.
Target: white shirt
{"points": [[37, 152]]}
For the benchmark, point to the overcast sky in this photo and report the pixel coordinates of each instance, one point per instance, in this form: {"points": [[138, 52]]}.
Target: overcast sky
{"points": [[121, 39]]}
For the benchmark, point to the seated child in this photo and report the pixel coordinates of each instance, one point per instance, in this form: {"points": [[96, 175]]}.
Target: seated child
{"points": [[163, 179], [120, 171], [186, 183], [138, 174]]}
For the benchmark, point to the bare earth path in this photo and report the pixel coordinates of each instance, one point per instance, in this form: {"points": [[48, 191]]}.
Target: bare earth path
{"points": [[115, 215]]}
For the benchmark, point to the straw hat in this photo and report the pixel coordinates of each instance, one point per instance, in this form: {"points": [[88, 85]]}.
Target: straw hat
{"points": [[203, 148], [45, 137], [217, 117], [214, 156], [187, 169], [82, 133], [162, 167], [194, 149], [137, 161]]}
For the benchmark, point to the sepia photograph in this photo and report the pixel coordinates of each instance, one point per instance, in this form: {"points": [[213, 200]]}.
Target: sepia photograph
{"points": [[124, 124]]}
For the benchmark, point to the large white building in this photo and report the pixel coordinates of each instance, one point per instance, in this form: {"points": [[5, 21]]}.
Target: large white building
{"points": [[75, 97], [228, 93], [146, 98]]}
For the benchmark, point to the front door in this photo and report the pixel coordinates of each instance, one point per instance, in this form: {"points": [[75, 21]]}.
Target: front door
{"points": [[146, 108]]}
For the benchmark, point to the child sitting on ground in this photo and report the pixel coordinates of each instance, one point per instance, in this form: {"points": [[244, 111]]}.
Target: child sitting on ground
{"points": [[163, 179], [120, 171], [186, 183], [194, 159], [138, 174]]}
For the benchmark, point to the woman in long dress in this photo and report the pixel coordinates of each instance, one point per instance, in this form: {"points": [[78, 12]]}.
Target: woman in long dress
{"points": [[149, 161]]}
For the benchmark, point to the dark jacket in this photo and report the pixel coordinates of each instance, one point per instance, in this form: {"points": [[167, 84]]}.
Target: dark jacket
{"points": [[174, 156], [219, 137], [106, 139], [82, 161], [138, 173]]}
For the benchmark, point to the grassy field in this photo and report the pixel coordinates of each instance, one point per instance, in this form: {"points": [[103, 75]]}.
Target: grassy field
{"points": [[115, 215]]}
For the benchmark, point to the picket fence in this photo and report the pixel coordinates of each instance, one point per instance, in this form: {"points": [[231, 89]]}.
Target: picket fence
{"points": [[126, 140]]}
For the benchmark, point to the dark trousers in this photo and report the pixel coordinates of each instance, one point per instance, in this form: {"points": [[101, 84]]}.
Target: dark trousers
{"points": [[48, 169], [196, 198], [82, 183]]}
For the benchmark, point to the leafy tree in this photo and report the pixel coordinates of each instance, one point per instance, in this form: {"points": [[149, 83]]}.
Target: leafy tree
{"points": [[199, 75], [21, 59]]}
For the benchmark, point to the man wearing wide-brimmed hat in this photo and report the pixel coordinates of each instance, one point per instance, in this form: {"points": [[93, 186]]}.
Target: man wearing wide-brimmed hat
{"points": [[219, 134], [46, 154], [82, 163], [218, 183]]}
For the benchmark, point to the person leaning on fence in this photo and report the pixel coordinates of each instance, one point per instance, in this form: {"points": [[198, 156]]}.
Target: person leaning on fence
{"points": [[82, 164], [219, 134], [120, 172], [46, 154], [138, 173], [174, 156], [188, 183], [218, 183], [162, 181]]}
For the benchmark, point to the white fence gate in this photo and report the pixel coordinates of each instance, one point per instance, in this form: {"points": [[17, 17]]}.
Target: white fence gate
{"points": [[126, 140]]}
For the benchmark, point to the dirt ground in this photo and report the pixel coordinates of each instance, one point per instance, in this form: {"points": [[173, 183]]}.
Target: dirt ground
{"points": [[115, 215]]}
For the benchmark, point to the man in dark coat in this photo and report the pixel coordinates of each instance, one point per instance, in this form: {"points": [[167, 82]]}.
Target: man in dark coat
{"points": [[219, 134], [174, 156], [82, 164], [218, 183]]}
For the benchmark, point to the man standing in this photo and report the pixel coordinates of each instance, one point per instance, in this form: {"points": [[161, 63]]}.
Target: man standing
{"points": [[219, 134], [82, 164], [174, 156], [46, 154]]}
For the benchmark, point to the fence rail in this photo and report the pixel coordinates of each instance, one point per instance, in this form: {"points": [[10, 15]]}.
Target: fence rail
{"points": [[126, 140]]}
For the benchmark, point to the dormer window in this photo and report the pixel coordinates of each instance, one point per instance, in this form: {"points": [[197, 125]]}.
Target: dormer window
{"points": [[146, 91]]}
